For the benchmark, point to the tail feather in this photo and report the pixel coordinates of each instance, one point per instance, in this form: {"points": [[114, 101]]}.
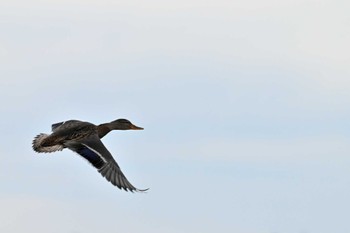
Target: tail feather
{"points": [[37, 145]]}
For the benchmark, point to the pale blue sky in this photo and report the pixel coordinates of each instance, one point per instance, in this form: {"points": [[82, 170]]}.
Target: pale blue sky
{"points": [[245, 106]]}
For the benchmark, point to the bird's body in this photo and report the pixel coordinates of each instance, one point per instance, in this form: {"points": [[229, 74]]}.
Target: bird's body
{"points": [[84, 139]]}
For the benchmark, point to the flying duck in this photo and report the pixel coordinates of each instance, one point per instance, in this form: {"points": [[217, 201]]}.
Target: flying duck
{"points": [[84, 138]]}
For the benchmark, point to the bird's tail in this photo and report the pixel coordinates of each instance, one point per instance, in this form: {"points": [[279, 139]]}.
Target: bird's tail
{"points": [[37, 145]]}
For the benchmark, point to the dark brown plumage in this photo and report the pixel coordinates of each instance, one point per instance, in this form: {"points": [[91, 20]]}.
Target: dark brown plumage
{"points": [[84, 139]]}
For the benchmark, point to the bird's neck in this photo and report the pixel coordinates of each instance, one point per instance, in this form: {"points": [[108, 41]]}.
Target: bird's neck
{"points": [[104, 129]]}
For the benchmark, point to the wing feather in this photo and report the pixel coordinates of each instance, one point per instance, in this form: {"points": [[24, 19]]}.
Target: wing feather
{"points": [[64, 125], [93, 150]]}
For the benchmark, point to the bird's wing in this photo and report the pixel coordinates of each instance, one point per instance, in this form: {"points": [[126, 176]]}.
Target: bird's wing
{"points": [[64, 124], [56, 125], [93, 150]]}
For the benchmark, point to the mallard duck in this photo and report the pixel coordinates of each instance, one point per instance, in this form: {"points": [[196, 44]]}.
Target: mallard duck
{"points": [[84, 139]]}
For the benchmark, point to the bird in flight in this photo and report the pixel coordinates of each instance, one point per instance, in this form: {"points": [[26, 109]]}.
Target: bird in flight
{"points": [[84, 139]]}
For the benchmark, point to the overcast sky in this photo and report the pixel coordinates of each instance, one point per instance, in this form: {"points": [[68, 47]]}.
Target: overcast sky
{"points": [[245, 105]]}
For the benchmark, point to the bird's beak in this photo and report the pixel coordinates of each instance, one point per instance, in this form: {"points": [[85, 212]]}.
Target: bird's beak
{"points": [[134, 127]]}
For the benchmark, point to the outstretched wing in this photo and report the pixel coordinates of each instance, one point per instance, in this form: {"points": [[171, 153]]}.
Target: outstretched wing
{"points": [[56, 125], [93, 150], [64, 125]]}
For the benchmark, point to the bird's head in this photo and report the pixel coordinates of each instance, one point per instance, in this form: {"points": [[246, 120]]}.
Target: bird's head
{"points": [[124, 124]]}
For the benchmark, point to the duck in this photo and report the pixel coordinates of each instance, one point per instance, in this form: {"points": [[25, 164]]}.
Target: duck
{"points": [[84, 138]]}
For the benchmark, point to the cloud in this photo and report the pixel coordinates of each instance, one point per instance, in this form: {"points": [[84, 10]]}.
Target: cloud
{"points": [[221, 35], [245, 32]]}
